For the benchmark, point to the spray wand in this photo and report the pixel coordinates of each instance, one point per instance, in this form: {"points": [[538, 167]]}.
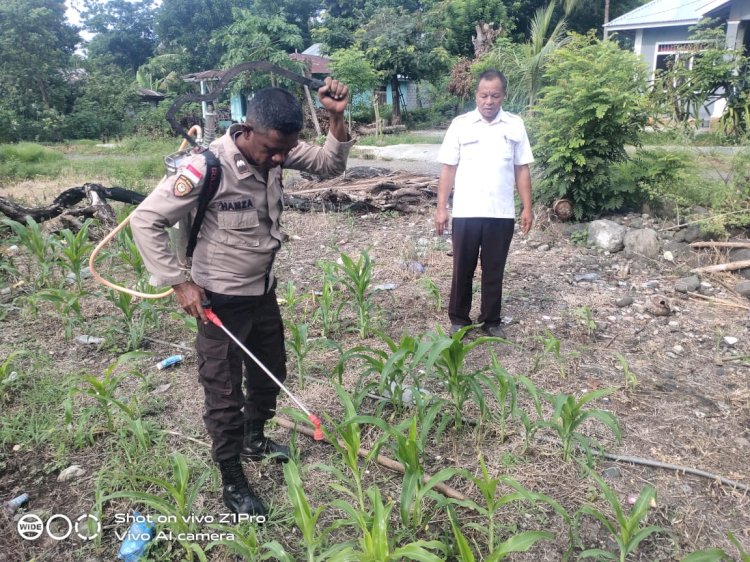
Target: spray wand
{"points": [[312, 417]]}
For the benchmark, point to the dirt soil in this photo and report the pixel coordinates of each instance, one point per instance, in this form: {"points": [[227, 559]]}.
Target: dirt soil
{"points": [[690, 406]]}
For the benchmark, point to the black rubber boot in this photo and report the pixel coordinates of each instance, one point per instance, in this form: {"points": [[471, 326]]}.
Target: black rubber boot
{"points": [[257, 446], [238, 495]]}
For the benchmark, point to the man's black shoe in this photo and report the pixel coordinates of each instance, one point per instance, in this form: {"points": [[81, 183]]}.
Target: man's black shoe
{"points": [[259, 449], [257, 446], [237, 494], [495, 331], [455, 328]]}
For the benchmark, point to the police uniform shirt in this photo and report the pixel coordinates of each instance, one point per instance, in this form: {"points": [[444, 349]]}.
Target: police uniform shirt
{"points": [[241, 232], [486, 154]]}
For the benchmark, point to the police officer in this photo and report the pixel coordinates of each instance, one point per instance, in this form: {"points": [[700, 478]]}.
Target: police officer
{"points": [[232, 267]]}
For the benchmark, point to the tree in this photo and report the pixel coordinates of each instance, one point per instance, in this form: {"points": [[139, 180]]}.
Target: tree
{"points": [[124, 31], [593, 107], [524, 64], [252, 37], [187, 26], [397, 43], [460, 17], [36, 45], [299, 13], [351, 66]]}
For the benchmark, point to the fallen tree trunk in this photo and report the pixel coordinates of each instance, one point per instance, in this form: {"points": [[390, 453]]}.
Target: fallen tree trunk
{"points": [[65, 204]]}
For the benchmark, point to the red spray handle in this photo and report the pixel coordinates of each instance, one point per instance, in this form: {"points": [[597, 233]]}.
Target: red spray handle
{"points": [[318, 436], [212, 317]]}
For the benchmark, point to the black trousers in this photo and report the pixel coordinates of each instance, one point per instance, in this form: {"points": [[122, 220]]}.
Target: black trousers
{"points": [[256, 322], [487, 239]]}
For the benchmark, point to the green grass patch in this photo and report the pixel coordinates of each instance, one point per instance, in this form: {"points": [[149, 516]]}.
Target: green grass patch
{"points": [[403, 138], [28, 160]]}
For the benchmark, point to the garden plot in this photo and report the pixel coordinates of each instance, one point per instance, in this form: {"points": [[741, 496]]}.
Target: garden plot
{"points": [[519, 428]]}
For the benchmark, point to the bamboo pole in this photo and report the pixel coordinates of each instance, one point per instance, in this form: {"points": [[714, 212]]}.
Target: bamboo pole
{"points": [[731, 266], [382, 460], [713, 244]]}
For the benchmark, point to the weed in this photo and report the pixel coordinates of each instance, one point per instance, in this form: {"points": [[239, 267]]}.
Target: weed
{"points": [[580, 237], [569, 414], [177, 506], [585, 316], [40, 246], [7, 376], [434, 292], [625, 528], [717, 554]]}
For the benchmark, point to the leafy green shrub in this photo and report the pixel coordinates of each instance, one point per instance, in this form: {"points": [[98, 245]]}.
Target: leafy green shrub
{"points": [[28, 160], [151, 122], [659, 176], [593, 108]]}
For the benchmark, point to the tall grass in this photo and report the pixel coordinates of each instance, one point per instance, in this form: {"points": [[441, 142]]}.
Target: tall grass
{"points": [[28, 160]]}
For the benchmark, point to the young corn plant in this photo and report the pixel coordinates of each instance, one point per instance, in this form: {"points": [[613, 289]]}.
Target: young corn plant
{"points": [[306, 520], [391, 367], [569, 414], [433, 291], [346, 438], [138, 316], [290, 299], [552, 347], [446, 356], [489, 488], [625, 528], [41, 247], [517, 543], [175, 503], [300, 346], [585, 316], [356, 277], [503, 386], [631, 381], [7, 375], [376, 542], [73, 251], [67, 304], [327, 311]]}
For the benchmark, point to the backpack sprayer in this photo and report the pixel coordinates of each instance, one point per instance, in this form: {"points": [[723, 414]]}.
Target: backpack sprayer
{"points": [[196, 141]]}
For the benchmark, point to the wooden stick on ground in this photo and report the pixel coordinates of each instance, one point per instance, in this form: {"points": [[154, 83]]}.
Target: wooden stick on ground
{"points": [[719, 301], [731, 266], [720, 244], [382, 460]]}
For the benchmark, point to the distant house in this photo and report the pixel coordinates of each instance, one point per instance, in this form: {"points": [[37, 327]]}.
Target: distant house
{"points": [[660, 33], [150, 96]]}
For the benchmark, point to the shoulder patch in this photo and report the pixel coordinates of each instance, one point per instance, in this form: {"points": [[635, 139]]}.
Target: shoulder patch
{"points": [[182, 186]]}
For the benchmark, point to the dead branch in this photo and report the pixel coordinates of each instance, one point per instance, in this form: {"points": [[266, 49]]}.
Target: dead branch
{"points": [[722, 302], [731, 266], [720, 244]]}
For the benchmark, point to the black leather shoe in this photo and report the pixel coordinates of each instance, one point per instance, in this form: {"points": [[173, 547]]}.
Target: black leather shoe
{"points": [[495, 331], [259, 448], [237, 494], [455, 328]]}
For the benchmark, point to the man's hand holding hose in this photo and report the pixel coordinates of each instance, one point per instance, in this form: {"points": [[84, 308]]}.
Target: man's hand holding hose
{"points": [[191, 298]]}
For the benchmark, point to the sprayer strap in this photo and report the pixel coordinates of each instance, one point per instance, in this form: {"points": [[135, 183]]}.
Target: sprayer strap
{"points": [[210, 188]]}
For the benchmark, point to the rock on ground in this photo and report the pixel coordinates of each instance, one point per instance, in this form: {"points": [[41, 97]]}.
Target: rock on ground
{"points": [[607, 235]]}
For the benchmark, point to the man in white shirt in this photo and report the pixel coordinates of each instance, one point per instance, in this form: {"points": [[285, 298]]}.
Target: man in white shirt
{"points": [[484, 154]]}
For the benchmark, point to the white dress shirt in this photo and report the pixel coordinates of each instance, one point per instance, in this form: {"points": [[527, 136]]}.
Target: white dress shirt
{"points": [[486, 154]]}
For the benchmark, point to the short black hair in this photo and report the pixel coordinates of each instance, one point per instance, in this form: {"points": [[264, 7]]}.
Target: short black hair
{"points": [[275, 108], [493, 74]]}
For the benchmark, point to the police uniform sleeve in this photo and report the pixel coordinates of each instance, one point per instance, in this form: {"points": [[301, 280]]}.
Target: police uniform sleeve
{"points": [[328, 160], [173, 198]]}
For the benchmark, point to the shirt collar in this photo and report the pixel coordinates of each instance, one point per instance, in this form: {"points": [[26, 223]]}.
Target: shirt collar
{"points": [[236, 160], [501, 116]]}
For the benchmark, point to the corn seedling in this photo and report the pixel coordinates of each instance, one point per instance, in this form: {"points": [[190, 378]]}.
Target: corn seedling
{"points": [[392, 367], [718, 554], [66, 303], [300, 346], [447, 355], [7, 375], [585, 316], [138, 316], [356, 277], [327, 311], [41, 247], [346, 438], [625, 528], [434, 292], [290, 299], [517, 543], [306, 521], [244, 541], [551, 347], [489, 487], [569, 414], [376, 541], [175, 503], [631, 381], [73, 250]]}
